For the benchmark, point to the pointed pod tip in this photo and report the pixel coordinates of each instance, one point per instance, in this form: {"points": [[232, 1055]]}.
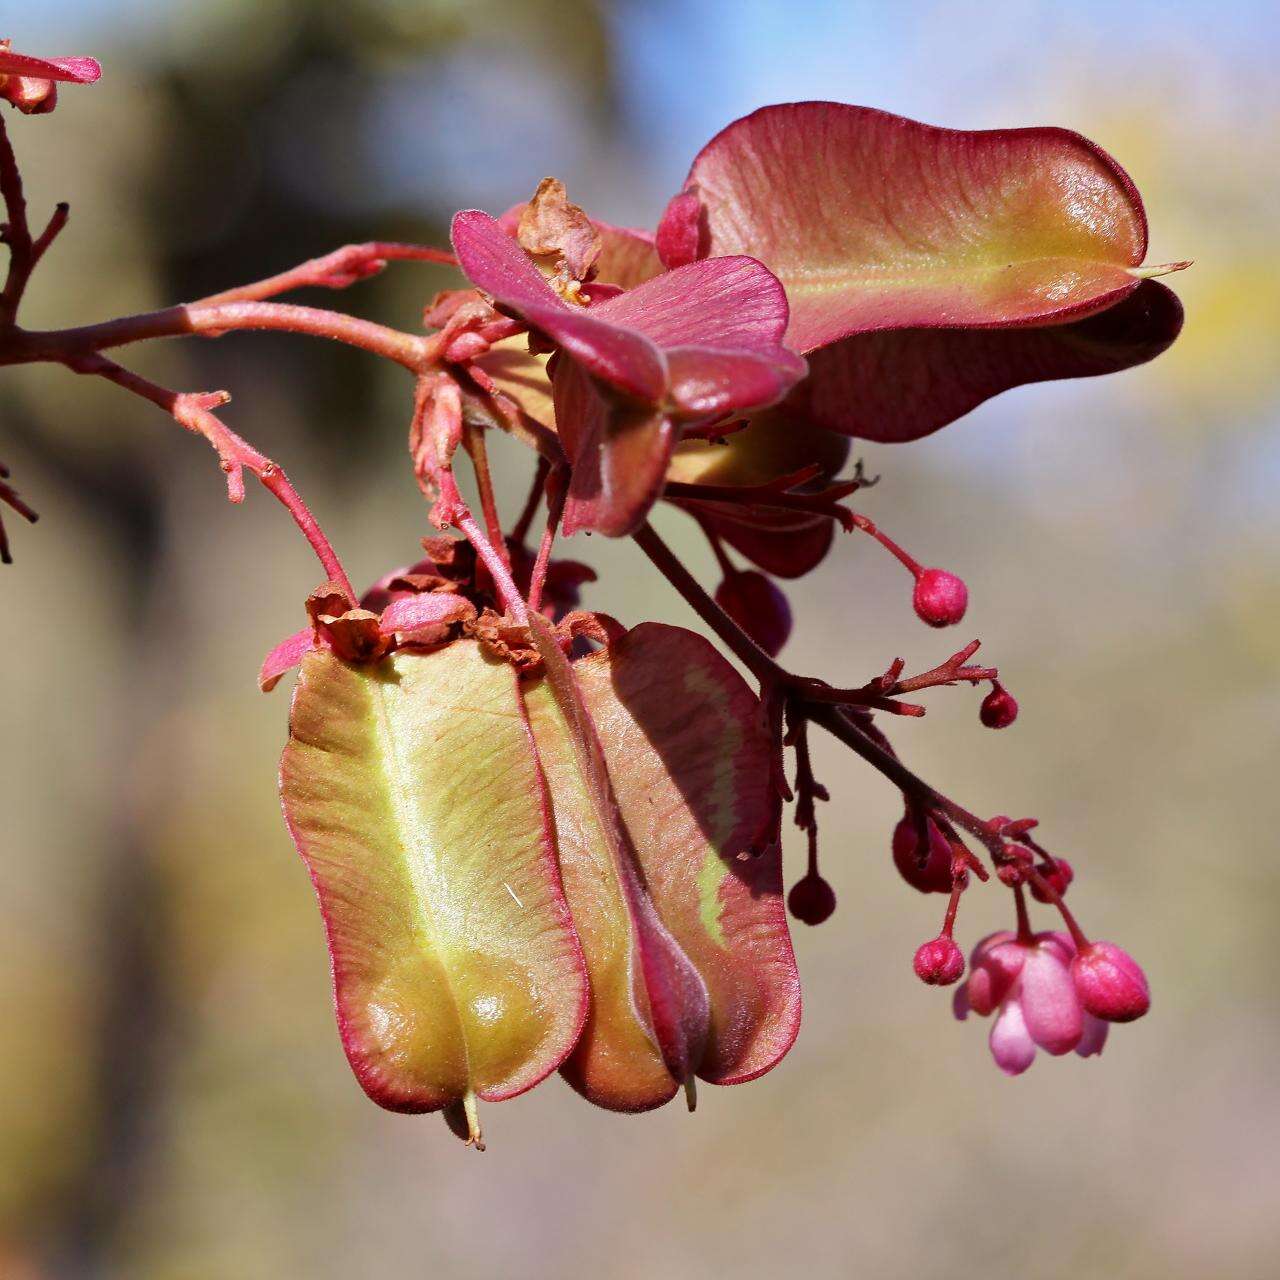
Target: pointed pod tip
{"points": [[463, 1120], [691, 1093], [1160, 269]]}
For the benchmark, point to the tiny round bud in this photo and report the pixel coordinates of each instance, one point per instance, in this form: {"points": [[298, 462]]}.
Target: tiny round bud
{"points": [[1110, 983], [1059, 876], [758, 606], [940, 597], [939, 962], [812, 899], [999, 708], [935, 875]]}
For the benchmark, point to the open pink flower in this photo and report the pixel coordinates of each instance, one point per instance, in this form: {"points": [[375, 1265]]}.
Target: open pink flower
{"points": [[633, 372], [29, 83], [1029, 987]]}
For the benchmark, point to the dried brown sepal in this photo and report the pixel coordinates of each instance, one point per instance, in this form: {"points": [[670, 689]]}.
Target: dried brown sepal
{"points": [[505, 640], [552, 227]]}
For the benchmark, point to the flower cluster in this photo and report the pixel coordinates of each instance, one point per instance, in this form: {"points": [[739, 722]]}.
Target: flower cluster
{"points": [[1046, 993], [542, 840]]}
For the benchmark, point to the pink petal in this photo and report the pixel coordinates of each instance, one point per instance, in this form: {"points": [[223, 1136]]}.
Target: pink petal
{"points": [[494, 263], [708, 384], [730, 303], [1011, 1045], [1050, 1005], [72, 70], [993, 968], [1093, 1037], [285, 656], [1059, 943]]}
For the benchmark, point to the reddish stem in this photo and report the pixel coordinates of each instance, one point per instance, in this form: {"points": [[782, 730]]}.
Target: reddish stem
{"points": [[841, 726], [717, 549], [459, 515], [473, 438], [869, 527], [1077, 934], [9, 497], [743, 647], [213, 320], [194, 411], [837, 722], [953, 905], [57, 220], [555, 508], [520, 530], [336, 270], [1025, 936], [18, 234]]}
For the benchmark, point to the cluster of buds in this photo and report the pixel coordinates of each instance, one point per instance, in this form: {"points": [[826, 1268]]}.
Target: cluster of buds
{"points": [[545, 841], [1052, 990]]}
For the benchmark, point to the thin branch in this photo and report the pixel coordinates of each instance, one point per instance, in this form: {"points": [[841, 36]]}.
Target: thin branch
{"points": [[508, 592], [520, 530], [57, 220], [843, 727], [213, 320], [194, 410], [473, 440], [743, 647], [337, 270], [9, 497], [17, 232], [555, 509]]}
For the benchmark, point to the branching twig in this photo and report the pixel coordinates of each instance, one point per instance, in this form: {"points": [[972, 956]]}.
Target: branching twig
{"points": [[194, 410]]}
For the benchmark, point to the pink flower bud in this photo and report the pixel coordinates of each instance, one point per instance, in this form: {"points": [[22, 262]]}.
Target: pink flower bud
{"points": [[758, 607], [939, 962], [935, 875], [940, 597], [1059, 876], [999, 708], [812, 899], [1110, 983]]}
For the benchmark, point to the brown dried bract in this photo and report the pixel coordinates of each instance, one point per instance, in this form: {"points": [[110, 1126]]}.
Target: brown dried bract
{"points": [[550, 226], [506, 640]]}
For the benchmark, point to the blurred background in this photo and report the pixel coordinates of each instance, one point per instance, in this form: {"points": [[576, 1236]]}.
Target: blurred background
{"points": [[174, 1102]]}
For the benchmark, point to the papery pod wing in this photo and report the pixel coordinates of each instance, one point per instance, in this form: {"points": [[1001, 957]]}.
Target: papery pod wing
{"points": [[687, 762], [873, 221], [898, 385], [411, 789]]}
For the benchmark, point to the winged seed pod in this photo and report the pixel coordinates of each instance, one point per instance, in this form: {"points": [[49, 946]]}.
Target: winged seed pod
{"points": [[509, 886]]}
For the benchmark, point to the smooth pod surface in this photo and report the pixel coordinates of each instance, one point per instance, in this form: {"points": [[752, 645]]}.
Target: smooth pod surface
{"points": [[412, 791], [687, 765]]}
